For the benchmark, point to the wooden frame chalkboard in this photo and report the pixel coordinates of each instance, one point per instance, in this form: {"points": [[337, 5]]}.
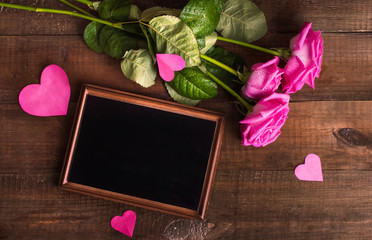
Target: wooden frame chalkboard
{"points": [[143, 151]]}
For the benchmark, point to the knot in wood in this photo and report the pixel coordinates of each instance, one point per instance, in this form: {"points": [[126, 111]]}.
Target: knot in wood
{"points": [[351, 137]]}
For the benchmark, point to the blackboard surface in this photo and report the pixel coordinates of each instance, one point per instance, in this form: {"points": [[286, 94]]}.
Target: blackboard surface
{"points": [[142, 152]]}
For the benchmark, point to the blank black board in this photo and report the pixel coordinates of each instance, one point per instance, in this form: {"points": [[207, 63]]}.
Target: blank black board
{"points": [[143, 152]]}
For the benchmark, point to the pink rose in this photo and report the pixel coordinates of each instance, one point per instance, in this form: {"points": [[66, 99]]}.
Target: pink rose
{"points": [[262, 126], [264, 80], [306, 60]]}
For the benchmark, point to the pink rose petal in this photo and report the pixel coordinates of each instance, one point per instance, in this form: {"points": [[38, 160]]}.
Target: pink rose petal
{"points": [[305, 62], [262, 126], [264, 80]]}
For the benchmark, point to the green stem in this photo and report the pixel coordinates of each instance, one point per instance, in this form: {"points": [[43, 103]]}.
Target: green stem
{"points": [[76, 8], [89, 3], [35, 9], [266, 50], [130, 22], [220, 64], [232, 92]]}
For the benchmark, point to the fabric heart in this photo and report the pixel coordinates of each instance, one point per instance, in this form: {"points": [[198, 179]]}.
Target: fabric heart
{"points": [[50, 97], [124, 224], [311, 170], [167, 64]]}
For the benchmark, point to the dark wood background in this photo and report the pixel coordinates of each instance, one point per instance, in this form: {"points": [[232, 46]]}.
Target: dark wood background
{"points": [[255, 194]]}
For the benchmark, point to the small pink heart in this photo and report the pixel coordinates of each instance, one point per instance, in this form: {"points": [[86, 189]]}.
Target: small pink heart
{"points": [[124, 224], [311, 170], [50, 97], [167, 64]]}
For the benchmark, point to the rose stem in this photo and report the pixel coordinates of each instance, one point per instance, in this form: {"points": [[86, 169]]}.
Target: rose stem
{"points": [[48, 10], [222, 84], [266, 50], [232, 92], [89, 3], [220, 64], [76, 8]]}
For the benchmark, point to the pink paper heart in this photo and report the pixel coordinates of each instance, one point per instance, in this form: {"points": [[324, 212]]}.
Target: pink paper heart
{"points": [[124, 224], [50, 97], [311, 170], [167, 64]]}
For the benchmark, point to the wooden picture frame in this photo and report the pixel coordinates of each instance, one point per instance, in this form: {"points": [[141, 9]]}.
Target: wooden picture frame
{"points": [[162, 170]]}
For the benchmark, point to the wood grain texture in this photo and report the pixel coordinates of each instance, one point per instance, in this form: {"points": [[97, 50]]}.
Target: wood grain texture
{"points": [[261, 205], [81, 64], [19, 22], [255, 193], [33, 207], [346, 57], [330, 16], [310, 128], [37, 145], [282, 16], [245, 204]]}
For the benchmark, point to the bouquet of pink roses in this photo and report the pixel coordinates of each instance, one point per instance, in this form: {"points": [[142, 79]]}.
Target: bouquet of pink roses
{"points": [[122, 30], [304, 61]]}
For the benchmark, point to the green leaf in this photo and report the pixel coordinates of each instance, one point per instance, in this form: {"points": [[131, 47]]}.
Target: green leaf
{"points": [[202, 16], [150, 13], [133, 28], [116, 42], [179, 98], [242, 20], [230, 59], [134, 12], [173, 36], [194, 84], [201, 42], [91, 36], [117, 10], [210, 40], [137, 65]]}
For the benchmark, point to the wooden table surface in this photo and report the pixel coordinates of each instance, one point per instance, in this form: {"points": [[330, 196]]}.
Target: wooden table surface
{"points": [[255, 194]]}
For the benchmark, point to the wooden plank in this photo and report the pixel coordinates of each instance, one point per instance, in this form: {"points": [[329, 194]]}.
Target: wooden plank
{"points": [[26, 57], [37, 145], [282, 16], [312, 127], [275, 205], [327, 16], [32, 144], [33, 207], [20, 22], [245, 204], [345, 75], [255, 193], [346, 68]]}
